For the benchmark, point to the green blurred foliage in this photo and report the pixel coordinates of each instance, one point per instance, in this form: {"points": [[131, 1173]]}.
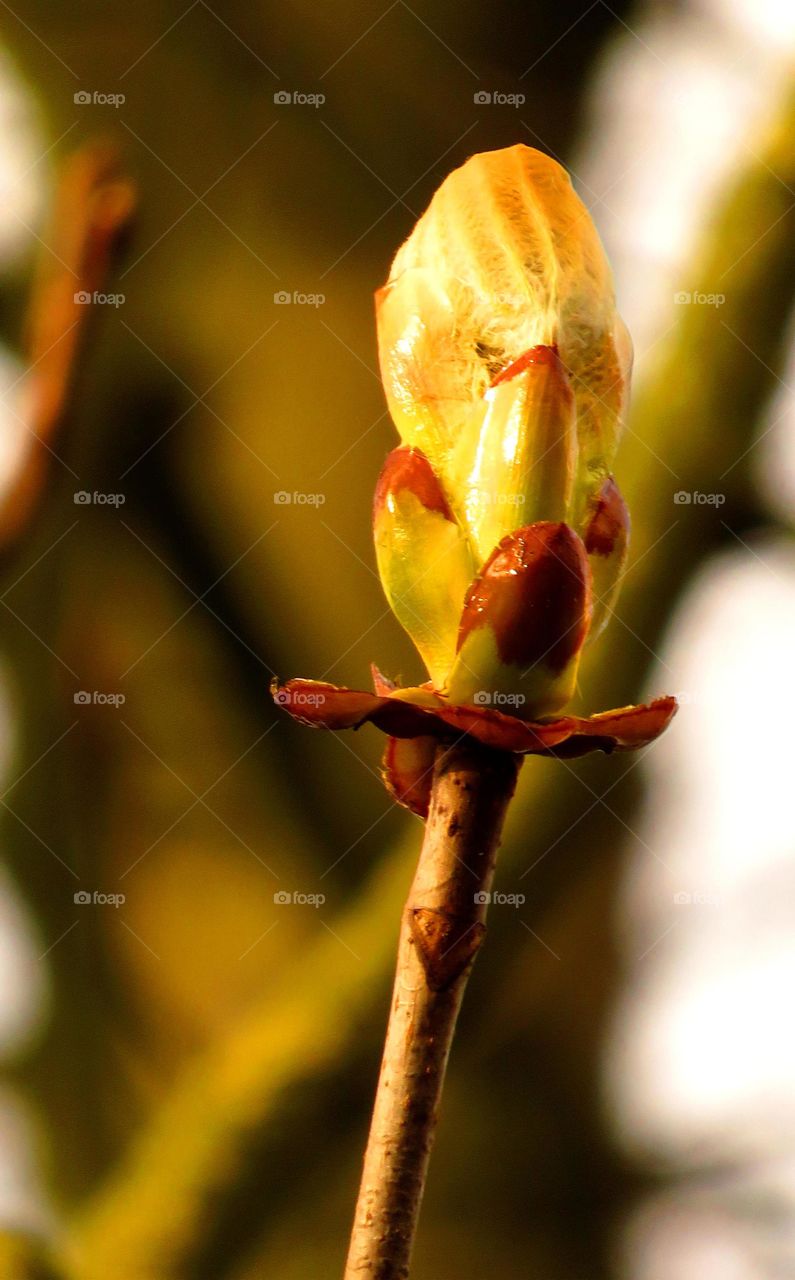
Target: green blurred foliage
{"points": [[206, 1065]]}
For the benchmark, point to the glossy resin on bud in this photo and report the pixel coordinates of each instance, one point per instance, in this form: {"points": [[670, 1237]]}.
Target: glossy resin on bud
{"points": [[524, 622], [517, 464]]}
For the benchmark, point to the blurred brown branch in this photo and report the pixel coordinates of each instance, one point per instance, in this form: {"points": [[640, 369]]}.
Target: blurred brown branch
{"points": [[93, 205]]}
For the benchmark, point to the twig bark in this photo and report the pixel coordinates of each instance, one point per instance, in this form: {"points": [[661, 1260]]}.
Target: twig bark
{"points": [[442, 929], [94, 204]]}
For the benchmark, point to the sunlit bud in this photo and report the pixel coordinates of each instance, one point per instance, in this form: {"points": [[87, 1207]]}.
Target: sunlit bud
{"points": [[506, 258], [519, 466], [506, 371], [500, 534], [423, 557]]}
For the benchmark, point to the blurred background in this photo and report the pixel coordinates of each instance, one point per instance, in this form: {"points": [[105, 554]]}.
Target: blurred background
{"points": [[188, 1058]]}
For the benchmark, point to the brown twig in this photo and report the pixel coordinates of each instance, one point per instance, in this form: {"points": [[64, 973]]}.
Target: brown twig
{"points": [[442, 930], [94, 202]]}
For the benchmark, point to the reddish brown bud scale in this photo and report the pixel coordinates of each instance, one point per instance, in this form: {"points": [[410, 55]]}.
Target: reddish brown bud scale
{"points": [[322, 705], [534, 593], [607, 520], [408, 468], [536, 355], [407, 770]]}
